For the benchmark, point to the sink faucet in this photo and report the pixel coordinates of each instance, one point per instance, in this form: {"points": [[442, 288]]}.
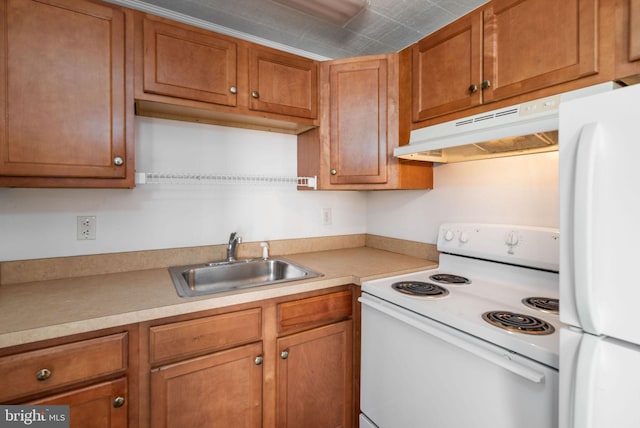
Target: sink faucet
{"points": [[234, 240]]}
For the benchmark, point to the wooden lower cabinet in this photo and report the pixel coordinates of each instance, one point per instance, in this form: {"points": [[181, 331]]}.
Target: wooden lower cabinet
{"points": [[95, 374], [282, 362], [104, 405], [315, 377], [220, 390]]}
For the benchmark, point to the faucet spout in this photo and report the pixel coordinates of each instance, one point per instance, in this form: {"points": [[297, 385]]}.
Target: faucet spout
{"points": [[234, 240]]}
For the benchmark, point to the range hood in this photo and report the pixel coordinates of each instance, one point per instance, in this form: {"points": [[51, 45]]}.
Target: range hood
{"points": [[531, 127]]}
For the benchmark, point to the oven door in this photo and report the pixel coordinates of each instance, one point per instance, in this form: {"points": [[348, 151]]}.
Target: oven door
{"points": [[417, 373]]}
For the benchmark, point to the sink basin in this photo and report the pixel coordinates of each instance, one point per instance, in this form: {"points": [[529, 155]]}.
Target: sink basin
{"points": [[210, 278]]}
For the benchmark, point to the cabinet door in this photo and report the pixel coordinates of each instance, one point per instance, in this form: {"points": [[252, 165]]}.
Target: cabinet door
{"points": [[447, 69], [533, 44], [358, 122], [282, 83], [315, 378], [634, 30], [188, 63], [104, 405], [62, 89], [220, 390]]}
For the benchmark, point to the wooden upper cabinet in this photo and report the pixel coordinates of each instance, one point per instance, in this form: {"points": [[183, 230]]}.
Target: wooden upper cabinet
{"points": [[282, 83], [189, 63], [358, 117], [66, 114], [634, 30], [189, 73], [447, 69], [363, 102], [533, 44], [505, 49]]}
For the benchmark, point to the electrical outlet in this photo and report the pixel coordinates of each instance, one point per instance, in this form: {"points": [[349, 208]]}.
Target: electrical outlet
{"points": [[86, 227], [326, 216]]}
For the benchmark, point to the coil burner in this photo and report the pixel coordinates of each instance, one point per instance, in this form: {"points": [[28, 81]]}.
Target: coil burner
{"points": [[447, 278], [544, 304], [420, 288], [518, 322]]}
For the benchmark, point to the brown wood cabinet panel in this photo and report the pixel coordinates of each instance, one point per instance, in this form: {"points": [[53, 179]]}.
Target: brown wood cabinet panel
{"points": [[188, 338], [189, 63], [315, 378], [282, 83], [64, 364], [63, 93], [358, 121], [220, 390], [533, 44], [94, 406], [313, 311], [634, 30], [447, 69]]}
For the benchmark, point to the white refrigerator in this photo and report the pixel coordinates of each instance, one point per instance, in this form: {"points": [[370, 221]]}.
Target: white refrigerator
{"points": [[600, 260]]}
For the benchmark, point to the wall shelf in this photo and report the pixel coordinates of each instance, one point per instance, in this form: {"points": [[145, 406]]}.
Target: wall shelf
{"points": [[197, 178]]}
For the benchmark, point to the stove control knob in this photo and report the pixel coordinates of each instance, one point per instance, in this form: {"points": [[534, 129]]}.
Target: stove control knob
{"points": [[464, 237], [448, 235]]}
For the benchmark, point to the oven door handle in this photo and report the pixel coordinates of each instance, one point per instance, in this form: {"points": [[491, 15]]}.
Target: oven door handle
{"points": [[503, 359]]}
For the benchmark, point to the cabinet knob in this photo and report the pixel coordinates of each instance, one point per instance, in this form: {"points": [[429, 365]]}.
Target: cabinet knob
{"points": [[233, 90], [118, 402], [258, 360], [284, 355], [255, 94], [43, 374], [485, 84], [333, 172], [473, 89], [118, 161]]}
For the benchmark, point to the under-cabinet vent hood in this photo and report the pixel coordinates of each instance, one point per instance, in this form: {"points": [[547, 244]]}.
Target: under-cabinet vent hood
{"points": [[531, 127]]}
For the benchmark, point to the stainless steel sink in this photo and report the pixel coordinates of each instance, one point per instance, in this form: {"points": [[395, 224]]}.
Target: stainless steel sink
{"points": [[210, 278]]}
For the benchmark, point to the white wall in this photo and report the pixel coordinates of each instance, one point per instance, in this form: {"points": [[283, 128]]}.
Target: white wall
{"points": [[517, 190], [37, 223]]}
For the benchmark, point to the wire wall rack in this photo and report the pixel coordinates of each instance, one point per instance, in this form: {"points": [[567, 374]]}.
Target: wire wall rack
{"points": [[197, 178]]}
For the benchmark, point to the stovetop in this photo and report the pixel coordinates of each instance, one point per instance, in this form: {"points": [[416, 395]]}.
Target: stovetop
{"points": [[494, 286]]}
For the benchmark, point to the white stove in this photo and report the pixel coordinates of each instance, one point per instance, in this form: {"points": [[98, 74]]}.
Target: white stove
{"points": [[496, 268]]}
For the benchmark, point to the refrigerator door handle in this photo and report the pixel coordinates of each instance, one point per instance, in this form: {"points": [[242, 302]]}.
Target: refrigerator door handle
{"points": [[583, 205], [584, 381]]}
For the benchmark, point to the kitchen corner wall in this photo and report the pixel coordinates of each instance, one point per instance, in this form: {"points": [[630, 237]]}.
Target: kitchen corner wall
{"points": [[520, 190], [41, 223]]}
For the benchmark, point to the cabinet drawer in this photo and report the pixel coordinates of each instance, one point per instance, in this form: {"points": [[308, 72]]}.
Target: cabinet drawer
{"points": [[45, 369], [187, 338], [314, 310]]}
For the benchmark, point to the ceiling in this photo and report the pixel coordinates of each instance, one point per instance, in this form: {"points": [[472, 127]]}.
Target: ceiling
{"points": [[383, 26]]}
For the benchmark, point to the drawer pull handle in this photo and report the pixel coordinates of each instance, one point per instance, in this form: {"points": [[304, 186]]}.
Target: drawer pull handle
{"points": [[255, 94], [258, 360], [43, 374], [284, 355], [118, 402]]}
